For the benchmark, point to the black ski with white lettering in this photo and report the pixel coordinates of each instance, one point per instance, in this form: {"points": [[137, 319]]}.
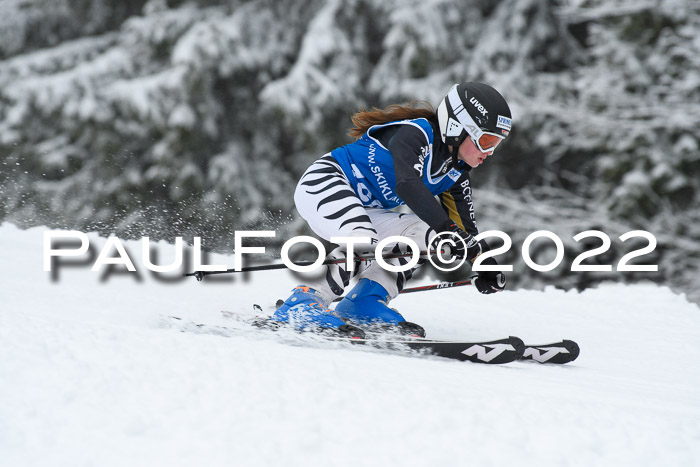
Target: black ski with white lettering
{"points": [[491, 352], [559, 352], [556, 353]]}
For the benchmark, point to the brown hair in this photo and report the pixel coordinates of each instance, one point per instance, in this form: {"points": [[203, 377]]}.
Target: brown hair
{"points": [[364, 119]]}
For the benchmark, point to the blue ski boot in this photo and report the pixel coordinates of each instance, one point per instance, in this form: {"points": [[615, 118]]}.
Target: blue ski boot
{"points": [[366, 304], [303, 310]]}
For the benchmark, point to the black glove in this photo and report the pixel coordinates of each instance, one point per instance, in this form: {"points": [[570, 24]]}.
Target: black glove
{"points": [[465, 245], [488, 282]]}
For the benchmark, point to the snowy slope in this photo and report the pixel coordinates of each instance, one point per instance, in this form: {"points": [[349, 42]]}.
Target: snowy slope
{"points": [[90, 376]]}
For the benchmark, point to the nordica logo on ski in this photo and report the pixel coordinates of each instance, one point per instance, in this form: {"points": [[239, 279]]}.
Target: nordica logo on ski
{"points": [[544, 356], [479, 350]]}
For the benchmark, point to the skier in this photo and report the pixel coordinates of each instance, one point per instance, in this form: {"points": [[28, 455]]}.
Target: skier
{"points": [[403, 154]]}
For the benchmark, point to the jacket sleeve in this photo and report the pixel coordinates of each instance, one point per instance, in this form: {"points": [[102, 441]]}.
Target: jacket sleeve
{"points": [[405, 147], [457, 203]]}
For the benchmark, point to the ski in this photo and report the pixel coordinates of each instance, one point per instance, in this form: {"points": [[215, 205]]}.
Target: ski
{"points": [[558, 353], [499, 351], [491, 352], [565, 351]]}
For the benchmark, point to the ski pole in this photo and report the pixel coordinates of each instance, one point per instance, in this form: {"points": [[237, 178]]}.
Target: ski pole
{"points": [[199, 275], [441, 285]]}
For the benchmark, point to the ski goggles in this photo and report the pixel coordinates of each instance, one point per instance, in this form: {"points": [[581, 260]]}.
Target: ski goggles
{"points": [[487, 142], [484, 140]]}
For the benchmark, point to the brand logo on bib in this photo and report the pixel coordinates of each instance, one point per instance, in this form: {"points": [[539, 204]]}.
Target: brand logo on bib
{"points": [[454, 174]]}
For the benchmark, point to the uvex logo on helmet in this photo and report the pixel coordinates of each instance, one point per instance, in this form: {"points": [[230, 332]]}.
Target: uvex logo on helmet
{"points": [[475, 102]]}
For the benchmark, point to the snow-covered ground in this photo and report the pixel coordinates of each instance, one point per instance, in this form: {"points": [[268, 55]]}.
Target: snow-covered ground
{"points": [[89, 375]]}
